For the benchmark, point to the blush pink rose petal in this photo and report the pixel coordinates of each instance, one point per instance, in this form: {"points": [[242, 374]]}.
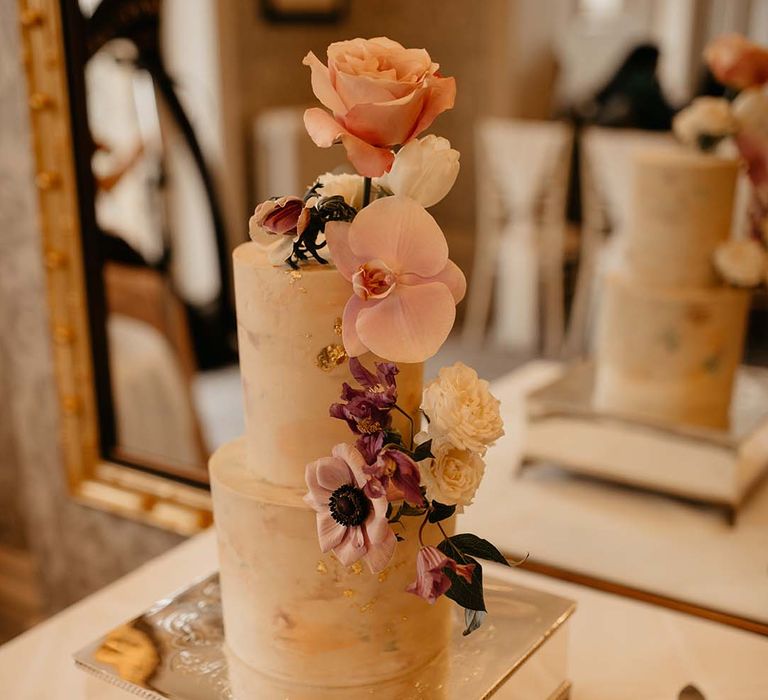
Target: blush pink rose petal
{"points": [[405, 287], [736, 61], [379, 94]]}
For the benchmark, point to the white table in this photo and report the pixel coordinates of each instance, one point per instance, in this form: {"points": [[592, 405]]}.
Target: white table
{"points": [[633, 538], [618, 648]]}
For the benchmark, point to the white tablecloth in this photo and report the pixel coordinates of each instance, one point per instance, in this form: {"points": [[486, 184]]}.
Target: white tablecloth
{"points": [[619, 649]]}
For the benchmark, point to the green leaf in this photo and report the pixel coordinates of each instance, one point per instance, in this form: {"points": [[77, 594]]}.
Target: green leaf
{"points": [[393, 437], [440, 511], [467, 594], [423, 451], [476, 547], [472, 620]]}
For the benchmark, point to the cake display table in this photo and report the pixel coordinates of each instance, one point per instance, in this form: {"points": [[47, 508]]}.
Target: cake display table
{"points": [[618, 649], [707, 465], [175, 651]]}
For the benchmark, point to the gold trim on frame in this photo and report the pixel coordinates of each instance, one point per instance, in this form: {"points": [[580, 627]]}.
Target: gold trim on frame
{"points": [[92, 480]]}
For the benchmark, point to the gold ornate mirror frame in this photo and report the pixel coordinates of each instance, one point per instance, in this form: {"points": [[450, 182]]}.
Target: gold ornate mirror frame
{"points": [[93, 481]]}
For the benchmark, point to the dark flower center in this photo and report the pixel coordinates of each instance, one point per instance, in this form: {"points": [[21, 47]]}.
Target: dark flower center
{"points": [[349, 506]]}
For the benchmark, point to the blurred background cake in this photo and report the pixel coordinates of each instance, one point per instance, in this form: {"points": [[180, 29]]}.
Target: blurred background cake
{"points": [[670, 333]]}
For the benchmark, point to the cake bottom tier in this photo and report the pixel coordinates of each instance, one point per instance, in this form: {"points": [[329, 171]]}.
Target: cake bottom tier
{"points": [[669, 354], [295, 614]]}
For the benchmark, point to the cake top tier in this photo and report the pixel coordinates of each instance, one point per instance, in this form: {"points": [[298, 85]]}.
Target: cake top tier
{"points": [[682, 205], [293, 364]]}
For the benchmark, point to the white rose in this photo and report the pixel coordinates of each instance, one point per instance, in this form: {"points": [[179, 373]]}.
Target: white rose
{"points": [[453, 476], [750, 109], [706, 118], [345, 184], [741, 262], [424, 169], [461, 409]]}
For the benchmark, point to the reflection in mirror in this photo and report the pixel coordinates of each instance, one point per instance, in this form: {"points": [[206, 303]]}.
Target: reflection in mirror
{"points": [[159, 233]]}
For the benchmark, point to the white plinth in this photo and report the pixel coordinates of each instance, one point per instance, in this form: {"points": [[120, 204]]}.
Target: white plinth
{"points": [[713, 466]]}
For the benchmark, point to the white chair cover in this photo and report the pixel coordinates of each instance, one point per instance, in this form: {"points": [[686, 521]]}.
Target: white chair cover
{"points": [[521, 178]]}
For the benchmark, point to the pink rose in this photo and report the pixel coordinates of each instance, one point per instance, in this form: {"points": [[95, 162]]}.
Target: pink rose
{"points": [[380, 95], [737, 62]]}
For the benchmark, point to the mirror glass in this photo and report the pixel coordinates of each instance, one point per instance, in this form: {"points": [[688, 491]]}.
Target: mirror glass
{"points": [[187, 114]]}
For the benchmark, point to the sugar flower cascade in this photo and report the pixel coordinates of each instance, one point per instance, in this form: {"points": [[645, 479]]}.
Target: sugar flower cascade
{"points": [[373, 225], [738, 121]]}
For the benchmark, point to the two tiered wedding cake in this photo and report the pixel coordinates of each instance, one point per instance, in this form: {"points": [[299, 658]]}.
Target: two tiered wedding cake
{"points": [[337, 556]]}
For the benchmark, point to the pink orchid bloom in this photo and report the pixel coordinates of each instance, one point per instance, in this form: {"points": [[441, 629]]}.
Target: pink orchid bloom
{"points": [[431, 580], [405, 287], [350, 523], [380, 94]]}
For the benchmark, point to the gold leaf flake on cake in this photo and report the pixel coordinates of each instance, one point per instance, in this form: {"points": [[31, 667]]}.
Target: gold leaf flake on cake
{"points": [[321, 568], [348, 593], [383, 575], [367, 607], [356, 568], [337, 326], [330, 357], [295, 276]]}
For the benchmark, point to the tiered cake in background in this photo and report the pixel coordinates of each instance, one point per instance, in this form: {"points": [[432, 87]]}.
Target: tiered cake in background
{"points": [[670, 333]]}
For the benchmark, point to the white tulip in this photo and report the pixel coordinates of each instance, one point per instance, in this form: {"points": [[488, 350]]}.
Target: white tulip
{"points": [[345, 184], [424, 169], [741, 263]]}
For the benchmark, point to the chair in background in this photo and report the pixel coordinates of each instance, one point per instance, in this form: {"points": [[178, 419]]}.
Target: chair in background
{"points": [[606, 192], [522, 180]]}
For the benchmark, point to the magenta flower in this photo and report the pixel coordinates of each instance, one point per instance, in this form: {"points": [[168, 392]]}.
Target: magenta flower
{"points": [[405, 287], [278, 216], [380, 388], [363, 416], [350, 523], [394, 469], [431, 580], [370, 446], [367, 410]]}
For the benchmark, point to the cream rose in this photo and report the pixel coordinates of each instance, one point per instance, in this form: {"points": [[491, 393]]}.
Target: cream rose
{"points": [[461, 409], [453, 476], [704, 122], [741, 263], [424, 169], [347, 185]]}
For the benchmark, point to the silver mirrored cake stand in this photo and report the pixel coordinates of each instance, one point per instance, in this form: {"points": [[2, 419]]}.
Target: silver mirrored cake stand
{"points": [[175, 651]]}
